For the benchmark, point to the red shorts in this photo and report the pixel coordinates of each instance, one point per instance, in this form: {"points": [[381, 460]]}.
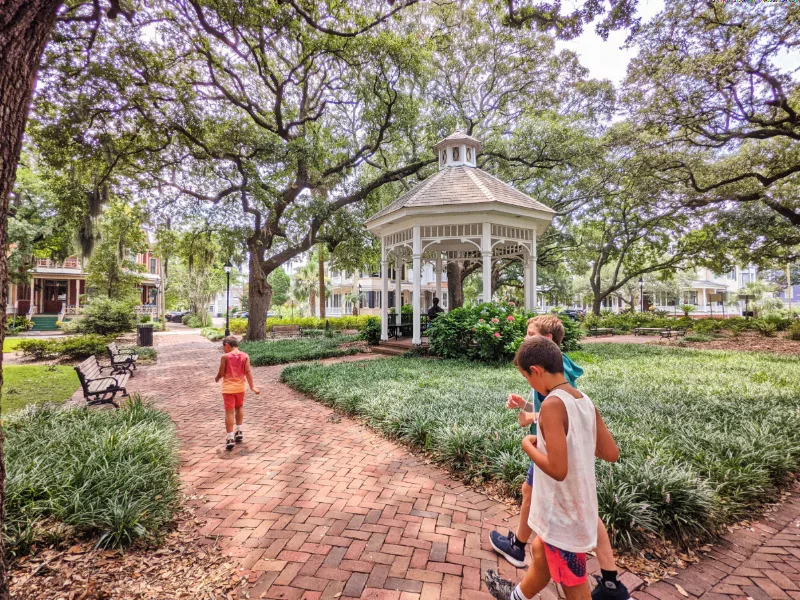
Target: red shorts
{"points": [[233, 400], [566, 568]]}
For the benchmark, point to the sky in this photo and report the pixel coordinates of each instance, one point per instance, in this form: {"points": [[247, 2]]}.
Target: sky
{"points": [[608, 60]]}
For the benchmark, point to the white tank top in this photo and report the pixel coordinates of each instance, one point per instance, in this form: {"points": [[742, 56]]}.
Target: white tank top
{"points": [[564, 514]]}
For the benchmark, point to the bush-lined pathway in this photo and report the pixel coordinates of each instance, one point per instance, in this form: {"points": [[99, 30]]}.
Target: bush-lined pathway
{"points": [[317, 507]]}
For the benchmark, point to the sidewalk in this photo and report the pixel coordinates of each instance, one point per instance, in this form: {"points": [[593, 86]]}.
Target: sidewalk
{"points": [[317, 507]]}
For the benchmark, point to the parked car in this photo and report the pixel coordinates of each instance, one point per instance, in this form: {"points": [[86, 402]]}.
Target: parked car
{"points": [[572, 313], [241, 315], [175, 316]]}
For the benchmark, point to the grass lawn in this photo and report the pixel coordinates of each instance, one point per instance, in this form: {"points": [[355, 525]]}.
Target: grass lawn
{"points": [[10, 343], [279, 352], [704, 436], [24, 384]]}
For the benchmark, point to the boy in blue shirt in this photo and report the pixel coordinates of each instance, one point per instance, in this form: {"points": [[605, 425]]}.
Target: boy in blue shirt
{"points": [[512, 546]]}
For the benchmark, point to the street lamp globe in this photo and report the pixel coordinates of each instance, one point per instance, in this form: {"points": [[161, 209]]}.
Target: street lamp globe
{"points": [[228, 266]]}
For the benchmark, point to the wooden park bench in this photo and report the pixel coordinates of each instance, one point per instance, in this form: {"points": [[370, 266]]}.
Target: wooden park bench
{"points": [[286, 331], [647, 330], [123, 360], [594, 330], [669, 333], [97, 387]]}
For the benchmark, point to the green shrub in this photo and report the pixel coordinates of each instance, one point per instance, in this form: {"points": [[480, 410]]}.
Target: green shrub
{"points": [[279, 352], [793, 332], [147, 354], [144, 319], [192, 320], [18, 324], [371, 331], [212, 333], [75, 348], [105, 473], [488, 332], [706, 326], [238, 326], [699, 337], [103, 316], [765, 328], [688, 308]]}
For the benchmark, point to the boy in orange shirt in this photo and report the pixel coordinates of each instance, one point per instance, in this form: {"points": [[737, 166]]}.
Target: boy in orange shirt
{"points": [[234, 369]]}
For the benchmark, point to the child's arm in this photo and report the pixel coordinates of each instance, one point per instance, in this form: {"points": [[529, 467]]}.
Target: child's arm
{"points": [[605, 448], [526, 416], [553, 419], [249, 375], [221, 372]]}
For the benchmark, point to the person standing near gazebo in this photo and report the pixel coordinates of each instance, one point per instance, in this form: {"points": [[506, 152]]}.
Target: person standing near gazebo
{"points": [[434, 310]]}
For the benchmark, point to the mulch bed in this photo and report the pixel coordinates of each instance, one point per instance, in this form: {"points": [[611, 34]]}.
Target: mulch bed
{"points": [[180, 567], [750, 341]]}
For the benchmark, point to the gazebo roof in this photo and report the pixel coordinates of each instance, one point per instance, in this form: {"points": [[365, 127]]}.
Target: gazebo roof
{"points": [[458, 186], [459, 136]]}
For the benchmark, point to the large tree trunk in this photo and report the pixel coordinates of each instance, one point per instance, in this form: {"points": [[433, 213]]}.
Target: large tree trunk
{"points": [[321, 283], [312, 303], [455, 285], [597, 302], [259, 295], [25, 29]]}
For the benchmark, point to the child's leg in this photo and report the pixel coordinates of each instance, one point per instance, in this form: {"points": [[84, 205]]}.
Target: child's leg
{"points": [[523, 529], [605, 555], [240, 420], [577, 592], [229, 419], [538, 575]]}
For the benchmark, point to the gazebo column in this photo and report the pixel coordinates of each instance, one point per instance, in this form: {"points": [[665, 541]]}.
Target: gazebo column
{"points": [[398, 285], [438, 268], [417, 258], [535, 255], [527, 278], [384, 292], [486, 252]]}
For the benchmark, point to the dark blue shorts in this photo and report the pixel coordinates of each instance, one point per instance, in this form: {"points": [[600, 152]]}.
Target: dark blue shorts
{"points": [[529, 478]]}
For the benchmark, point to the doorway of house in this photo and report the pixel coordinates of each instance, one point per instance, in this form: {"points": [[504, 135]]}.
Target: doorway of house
{"points": [[55, 295]]}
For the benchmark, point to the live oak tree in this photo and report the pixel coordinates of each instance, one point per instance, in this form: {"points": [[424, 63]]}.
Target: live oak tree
{"points": [[708, 85]]}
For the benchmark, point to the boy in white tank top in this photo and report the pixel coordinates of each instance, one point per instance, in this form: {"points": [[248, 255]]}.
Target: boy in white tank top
{"points": [[564, 516]]}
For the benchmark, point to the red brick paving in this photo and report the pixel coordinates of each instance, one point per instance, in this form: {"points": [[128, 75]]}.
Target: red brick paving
{"points": [[314, 509]]}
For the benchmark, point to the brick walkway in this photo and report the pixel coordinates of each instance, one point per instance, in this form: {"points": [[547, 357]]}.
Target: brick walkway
{"points": [[758, 563], [316, 509]]}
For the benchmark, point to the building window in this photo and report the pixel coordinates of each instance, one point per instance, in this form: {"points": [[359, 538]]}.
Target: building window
{"points": [[690, 297], [444, 299], [444, 156], [455, 154], [747, 278], [152, 266], [469, 154]]}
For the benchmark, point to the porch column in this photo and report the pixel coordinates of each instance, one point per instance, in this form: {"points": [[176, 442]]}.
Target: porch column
{"points": [[438, 268], [526, 279], [705, 299], [384, 292], [486, 252], [535, 255], [32, 306], [416, 256]]}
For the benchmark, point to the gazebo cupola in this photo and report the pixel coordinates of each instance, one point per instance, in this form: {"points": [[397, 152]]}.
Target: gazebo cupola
{"points": [[461, 213]]}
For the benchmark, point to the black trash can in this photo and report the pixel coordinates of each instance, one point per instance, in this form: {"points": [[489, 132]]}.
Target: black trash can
{"points": [[144, 334]]}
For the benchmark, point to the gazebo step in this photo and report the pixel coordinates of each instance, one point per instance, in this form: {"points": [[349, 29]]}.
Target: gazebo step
{"points": [[390, 350]]}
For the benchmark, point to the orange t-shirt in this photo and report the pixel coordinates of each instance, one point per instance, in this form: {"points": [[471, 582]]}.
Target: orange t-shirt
{"points": [[236, 366]]}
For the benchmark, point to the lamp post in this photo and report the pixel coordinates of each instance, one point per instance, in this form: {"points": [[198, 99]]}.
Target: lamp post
{"points": [[227, 269], [358, 300], [641, 294]]}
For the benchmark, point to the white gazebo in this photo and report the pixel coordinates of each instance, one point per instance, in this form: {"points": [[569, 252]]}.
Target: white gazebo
{"points": [[461, 213]]}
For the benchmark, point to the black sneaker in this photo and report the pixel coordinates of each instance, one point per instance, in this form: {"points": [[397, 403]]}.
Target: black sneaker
{"points": [[610, 590], [507, 548], [499, 588], [238, 436], [229, 443]]}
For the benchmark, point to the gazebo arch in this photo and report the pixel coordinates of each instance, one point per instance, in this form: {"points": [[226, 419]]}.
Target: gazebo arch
{"points": [[460, 213]]}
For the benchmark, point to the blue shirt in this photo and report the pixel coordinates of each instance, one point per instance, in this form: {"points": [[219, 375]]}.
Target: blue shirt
{"points": [[571, 372]]}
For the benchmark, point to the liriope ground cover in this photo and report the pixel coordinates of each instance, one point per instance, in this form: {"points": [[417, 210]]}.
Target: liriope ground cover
{"points": [[278, 352], [107, 474], [705, 437]]}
